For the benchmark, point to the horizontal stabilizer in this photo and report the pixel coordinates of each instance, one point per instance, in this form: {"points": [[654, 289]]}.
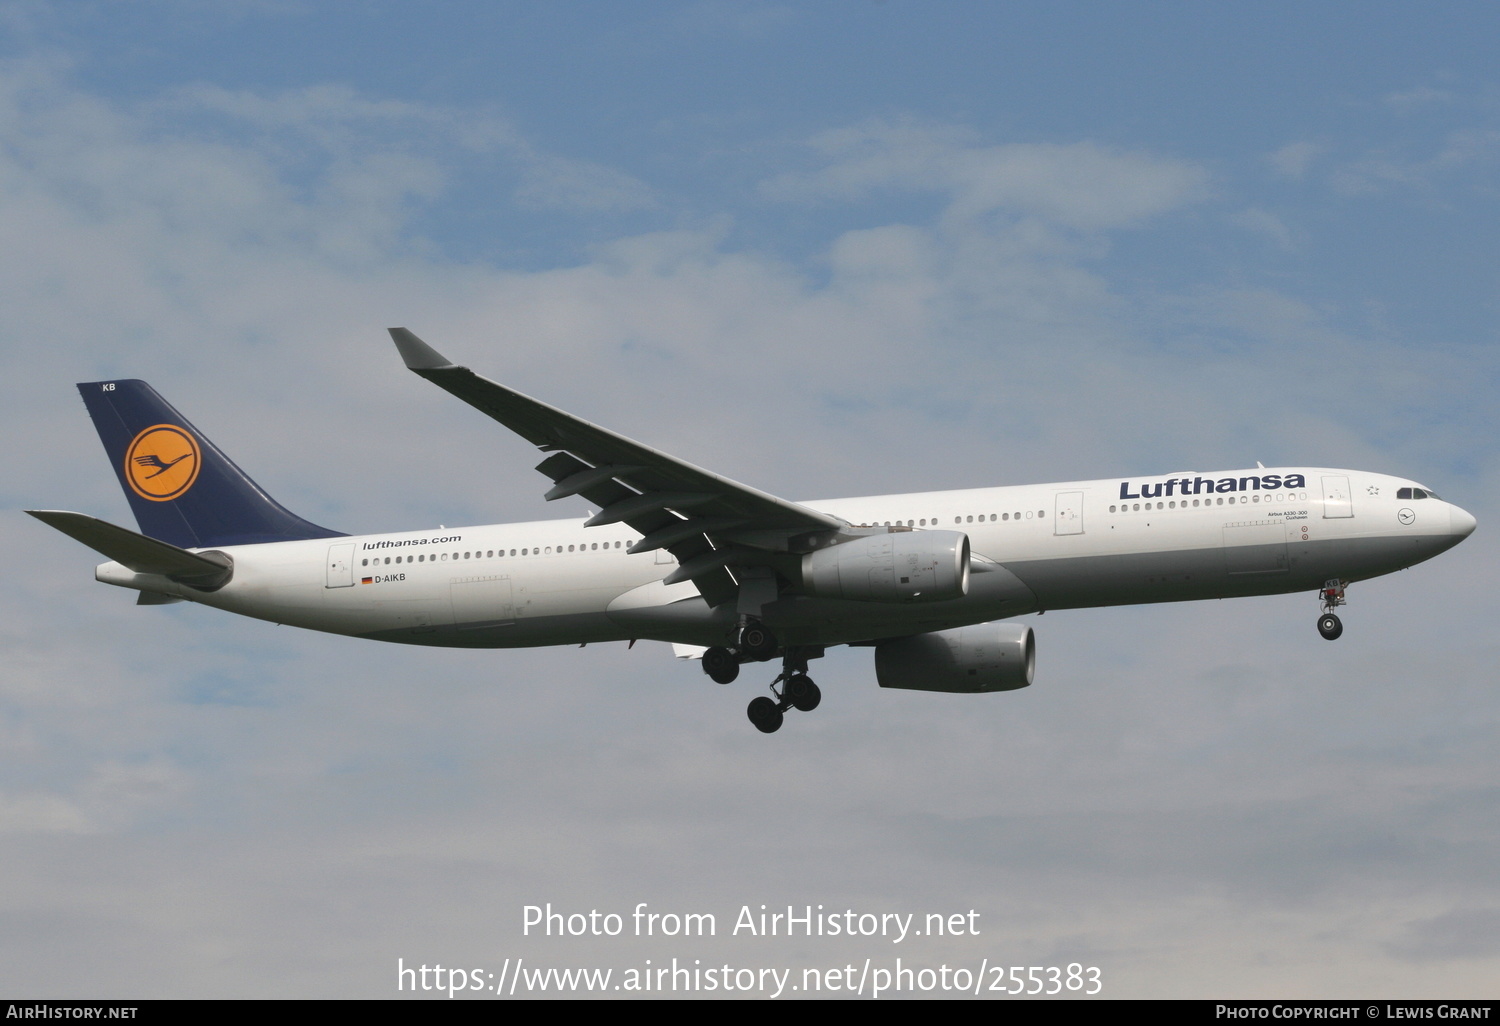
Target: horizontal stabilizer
{"points": [[155, 598], [134, 551]]}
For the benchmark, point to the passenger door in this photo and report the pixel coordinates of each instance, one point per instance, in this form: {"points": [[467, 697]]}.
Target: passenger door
{"points": [[340, 566], [1069, 515], [1336, 497]]}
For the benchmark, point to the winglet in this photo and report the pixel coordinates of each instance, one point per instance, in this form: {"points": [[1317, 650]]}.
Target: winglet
{"points": [[419, 356]]}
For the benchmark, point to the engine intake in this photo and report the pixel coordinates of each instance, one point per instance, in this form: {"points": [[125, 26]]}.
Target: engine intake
{"points": [[910, 566], [968, 660]]}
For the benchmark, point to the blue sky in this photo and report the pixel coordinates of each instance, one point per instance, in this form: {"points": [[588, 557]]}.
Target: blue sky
{"points": [[843, 248]]}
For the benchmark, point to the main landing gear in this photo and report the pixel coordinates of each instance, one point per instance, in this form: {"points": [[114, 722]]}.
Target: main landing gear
{"points": [[721, 665], [797, 692], [757, 643], [1329, 625]]}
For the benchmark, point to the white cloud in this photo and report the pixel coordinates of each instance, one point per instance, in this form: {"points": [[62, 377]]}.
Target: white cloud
{"points": [[1267, 225], [1293, 159], [1079, 185], [733, 19], [553, 182], [1462, 152], [40, 813], [1411, 100], [348, 128]]}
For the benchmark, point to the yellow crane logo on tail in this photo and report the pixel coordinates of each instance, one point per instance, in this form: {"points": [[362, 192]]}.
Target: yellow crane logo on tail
{"points": [[162, 462]]}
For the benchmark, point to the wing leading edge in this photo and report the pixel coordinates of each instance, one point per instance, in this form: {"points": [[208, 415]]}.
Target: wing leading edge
{"points": [[711, 525]]}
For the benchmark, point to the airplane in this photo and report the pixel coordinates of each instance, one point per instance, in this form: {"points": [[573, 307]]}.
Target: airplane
{"points": [[732, 575]]}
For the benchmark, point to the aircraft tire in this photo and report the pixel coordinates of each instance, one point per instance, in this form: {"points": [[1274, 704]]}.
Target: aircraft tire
{"points": [[1330, 626], [802, 693], [721, 665], [765, 714], [757, 643]]}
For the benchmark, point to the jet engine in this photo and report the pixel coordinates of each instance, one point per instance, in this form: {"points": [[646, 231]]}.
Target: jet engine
{"points": [[984, 657], [906, 566]]}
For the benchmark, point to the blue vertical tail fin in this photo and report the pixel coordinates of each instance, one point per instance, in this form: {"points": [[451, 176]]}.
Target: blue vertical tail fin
{"points": [[182, 488]]}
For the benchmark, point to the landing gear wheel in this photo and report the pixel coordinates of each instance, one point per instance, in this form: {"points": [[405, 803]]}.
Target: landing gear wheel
{"points": [[1330, 626], [721, 665], [757, 643], [802, 692], [765, 714]]}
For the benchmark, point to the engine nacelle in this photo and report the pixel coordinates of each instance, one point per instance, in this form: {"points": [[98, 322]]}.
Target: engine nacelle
{"points": [[905, 566], [984, 657]]}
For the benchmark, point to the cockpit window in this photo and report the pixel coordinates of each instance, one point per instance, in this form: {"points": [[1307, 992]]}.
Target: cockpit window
{"points": [[1403, 493]]}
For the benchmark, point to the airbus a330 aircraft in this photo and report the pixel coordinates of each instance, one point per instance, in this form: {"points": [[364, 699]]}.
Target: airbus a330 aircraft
{"points": [[731, 574]]}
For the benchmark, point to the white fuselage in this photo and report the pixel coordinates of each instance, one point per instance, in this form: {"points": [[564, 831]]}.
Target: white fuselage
{"points": [[1086, 543]]}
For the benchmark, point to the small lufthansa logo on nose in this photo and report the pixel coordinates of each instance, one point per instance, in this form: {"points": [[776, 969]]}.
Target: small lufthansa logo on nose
{"points": [[1406, 516], [162, 462]]}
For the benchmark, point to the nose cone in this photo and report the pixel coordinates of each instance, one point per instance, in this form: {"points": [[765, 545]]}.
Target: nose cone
{"points": [[1461, 523]]}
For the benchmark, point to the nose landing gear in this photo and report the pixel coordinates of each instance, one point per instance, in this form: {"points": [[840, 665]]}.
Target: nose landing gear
{"points": [[1329, 625]]}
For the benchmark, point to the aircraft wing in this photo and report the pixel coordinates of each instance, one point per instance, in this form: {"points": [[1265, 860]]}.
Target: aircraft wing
{"points": [[708, 522]]}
